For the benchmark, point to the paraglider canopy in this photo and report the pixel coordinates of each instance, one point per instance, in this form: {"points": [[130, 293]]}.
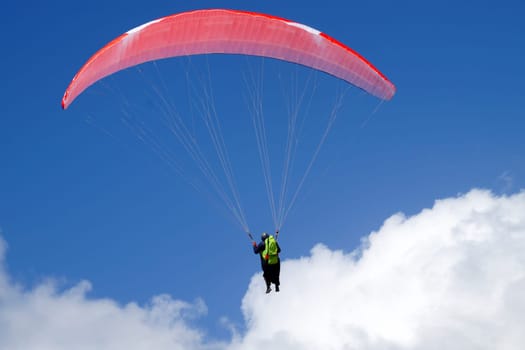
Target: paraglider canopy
{"points": [[230, 32], [221, 31]]}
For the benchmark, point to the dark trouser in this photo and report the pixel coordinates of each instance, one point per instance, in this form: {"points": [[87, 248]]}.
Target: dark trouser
{"points": [[271, 274]]}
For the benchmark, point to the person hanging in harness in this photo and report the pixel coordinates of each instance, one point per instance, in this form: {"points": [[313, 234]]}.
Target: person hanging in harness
{"points": [[269, 250]]}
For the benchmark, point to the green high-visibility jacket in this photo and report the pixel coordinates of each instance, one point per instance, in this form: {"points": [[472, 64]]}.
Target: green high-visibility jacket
{"points": [[271, 251]]}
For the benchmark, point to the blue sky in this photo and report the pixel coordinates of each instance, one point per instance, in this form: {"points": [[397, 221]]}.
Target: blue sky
{"points": [[76, 204]]}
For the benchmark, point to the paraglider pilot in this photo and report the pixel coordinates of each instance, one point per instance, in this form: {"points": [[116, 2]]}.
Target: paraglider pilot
{"points": [[269, 250]]}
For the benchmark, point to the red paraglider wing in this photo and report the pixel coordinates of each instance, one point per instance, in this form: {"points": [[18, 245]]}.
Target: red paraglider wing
{"points": [[231, 32]]}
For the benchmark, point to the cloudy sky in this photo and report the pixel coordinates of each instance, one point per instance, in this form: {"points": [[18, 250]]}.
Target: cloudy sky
{"points": [[451, 276], [408, 232]]}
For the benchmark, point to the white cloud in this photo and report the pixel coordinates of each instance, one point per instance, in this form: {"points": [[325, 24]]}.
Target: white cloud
{"points": [[450, 277], [47, 318]]}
